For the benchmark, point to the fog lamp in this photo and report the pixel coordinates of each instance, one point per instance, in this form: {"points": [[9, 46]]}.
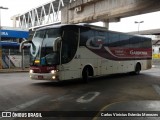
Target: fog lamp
{"points": [[53, 77]]}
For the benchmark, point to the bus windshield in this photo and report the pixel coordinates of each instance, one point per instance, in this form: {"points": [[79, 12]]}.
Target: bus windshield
{"points": [[42, 53]]}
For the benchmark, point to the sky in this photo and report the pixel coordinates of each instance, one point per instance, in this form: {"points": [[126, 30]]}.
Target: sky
{"points": [[17, 7], [151, 20]]}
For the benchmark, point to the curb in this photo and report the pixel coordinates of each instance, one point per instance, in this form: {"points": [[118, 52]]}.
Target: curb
{"points": [[13, 70]]}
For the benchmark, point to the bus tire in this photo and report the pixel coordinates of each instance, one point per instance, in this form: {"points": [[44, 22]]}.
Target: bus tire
{"points": [[137, 69], [85, 75]]}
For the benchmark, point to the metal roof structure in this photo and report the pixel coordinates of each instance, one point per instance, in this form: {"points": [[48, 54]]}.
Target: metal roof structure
{"points": [[147, 32], [45, 14], [155, 42]]}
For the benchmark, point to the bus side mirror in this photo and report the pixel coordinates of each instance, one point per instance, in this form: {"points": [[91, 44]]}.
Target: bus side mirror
{"points": [[22, 45], [55, 44]]}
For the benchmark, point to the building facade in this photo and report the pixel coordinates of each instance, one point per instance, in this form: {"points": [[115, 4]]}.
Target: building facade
{"points": [[10, 57]]}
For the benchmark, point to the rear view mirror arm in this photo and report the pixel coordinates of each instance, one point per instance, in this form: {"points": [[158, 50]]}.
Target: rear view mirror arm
{"points": [[22, 44]]}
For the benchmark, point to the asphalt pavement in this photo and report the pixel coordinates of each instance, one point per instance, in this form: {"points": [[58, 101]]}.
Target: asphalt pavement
{"points": [[118, 95]]}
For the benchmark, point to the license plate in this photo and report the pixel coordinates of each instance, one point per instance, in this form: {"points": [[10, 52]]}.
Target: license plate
{"points": [[40, 77]]}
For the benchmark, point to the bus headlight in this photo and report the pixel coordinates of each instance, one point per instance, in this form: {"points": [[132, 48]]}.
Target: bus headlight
{"points": [[31, 71], [53, 71]]}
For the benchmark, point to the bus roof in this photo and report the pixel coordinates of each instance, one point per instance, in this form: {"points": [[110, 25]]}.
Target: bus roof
{"points": [[63, 25], [87, 26]]}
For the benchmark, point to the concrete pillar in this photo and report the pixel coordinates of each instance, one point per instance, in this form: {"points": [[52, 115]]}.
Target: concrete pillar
{"points": [[14, 22], [64, 15], [106, 24]]}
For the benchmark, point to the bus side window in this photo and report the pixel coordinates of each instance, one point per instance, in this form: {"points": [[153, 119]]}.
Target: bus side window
{"points": [[134, 42], [69, 45], [146, 43], [124, 41], [106, 40], [98, 38], [102, 37], [86, 34], [113, 39]]}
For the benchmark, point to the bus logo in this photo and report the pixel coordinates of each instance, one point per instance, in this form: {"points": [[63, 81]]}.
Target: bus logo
{"points": [[95, 42], [132, 52]]}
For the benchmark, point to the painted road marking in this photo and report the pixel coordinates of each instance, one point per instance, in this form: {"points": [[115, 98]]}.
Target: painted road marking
{"points": [[88, 97], [25, 105], [157, 88]]}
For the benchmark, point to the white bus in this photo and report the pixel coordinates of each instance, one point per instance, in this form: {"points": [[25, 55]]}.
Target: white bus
{"points": [[66, 52]]}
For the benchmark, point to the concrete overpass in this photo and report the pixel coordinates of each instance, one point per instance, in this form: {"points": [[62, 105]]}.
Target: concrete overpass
{"points": [[106, 10], [75, 11]]}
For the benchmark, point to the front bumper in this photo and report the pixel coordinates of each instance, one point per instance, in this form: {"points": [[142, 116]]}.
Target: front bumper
{"points": [[43, 76]]}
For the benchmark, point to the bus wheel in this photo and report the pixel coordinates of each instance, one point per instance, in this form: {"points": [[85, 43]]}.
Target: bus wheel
{"points": [[137, 69], [85, 75]]}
